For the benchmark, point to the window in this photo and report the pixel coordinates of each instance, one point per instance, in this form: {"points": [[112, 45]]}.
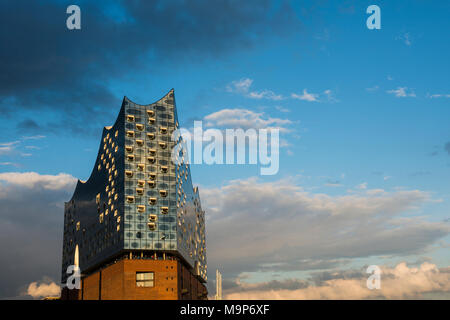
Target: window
{"points": [[141, 208], [130, 118], [163, 130], [152, 218], [97, 199], [164, 210], [163, 193], [130, 199], [130, 157], [139, 126], [129, 173], [162, 145], [151, 120], [129, 148], [78, 225], [151, 226], [152, 151], [130, 133], [151, 136], [141, 183], [151, 159], [139, 191], [150, 113], [141, 167], [152, 201], [151, 184]]}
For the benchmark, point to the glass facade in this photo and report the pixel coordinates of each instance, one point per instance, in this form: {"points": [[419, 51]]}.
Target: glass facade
{"points": [[136, 198]]}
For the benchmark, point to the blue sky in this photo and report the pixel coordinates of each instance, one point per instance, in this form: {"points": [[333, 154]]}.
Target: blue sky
{"points": [[379, 119]]}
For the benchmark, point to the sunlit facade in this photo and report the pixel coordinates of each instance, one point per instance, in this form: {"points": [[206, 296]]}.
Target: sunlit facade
{"points": [[137, 202]]}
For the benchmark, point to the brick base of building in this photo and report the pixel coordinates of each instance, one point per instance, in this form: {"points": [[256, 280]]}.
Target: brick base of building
{"points": [[117, 281]]}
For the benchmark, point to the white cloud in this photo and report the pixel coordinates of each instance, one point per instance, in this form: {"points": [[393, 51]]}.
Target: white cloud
{"points": [[256, 223], [8, 147], [400, 282], [245, 119], [434, 96], [243, 85], [405, 38], [311, 97], [40, 290], [33, 179], [372, 89], [36, 137], [240, 86], [402, 92], [265, 94], [282, 109], [362, 186], [31, 218]]}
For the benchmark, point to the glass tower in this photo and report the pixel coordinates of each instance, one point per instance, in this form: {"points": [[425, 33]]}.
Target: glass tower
{"points": [[137, 200]]}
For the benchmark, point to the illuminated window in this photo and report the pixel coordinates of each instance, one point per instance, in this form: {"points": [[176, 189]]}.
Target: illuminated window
{"points": [[152, 201], [150, 113], [139, 191], [97, 199], [130, 157], [141, 208], [139, 126], [151, 136], [151, 184], [100, 218], [151, 226], [151, 159], [116, 134], [152, 175], [130, 133], [130, 118], [78, 225], [163, 193], [140, 142], [162, 145], [163, 130], [141, 183], [151, 120], [152, 218], [164, 210], [130, 199], [129, 173], [164, 169], [129, 149]]}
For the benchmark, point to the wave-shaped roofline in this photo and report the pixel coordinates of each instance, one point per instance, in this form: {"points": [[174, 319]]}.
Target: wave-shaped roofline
{"points": [[107, 129]]}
